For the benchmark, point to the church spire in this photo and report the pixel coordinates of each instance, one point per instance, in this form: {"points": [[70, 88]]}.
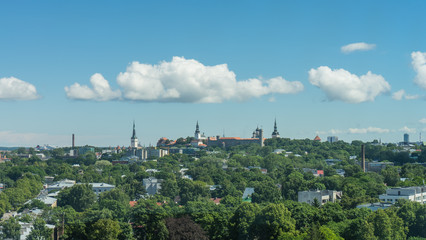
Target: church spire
{"points": [[197, 128], [275, 125], [134, 131], [134, 143], [275, 133], [197, 134]]}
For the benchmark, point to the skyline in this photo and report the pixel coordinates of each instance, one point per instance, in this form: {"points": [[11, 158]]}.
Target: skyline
{"points": [[333, 68]]}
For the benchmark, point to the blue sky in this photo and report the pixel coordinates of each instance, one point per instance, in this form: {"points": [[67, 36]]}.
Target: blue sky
{"points": [[92, 67]]}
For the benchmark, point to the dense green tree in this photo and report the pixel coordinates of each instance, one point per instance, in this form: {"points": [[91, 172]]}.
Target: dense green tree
{"points": [[184, 228], [387, 225], [414, 216], [242, 220], [79, 196], [192, 190], [104, 229], [274, 222], [293, 184], [115, 194], [169, 188], [360, 229], [391, 175], [213, 218], [39, 231], [11, 229], [266, 192], [148, 221], [126, 232]]}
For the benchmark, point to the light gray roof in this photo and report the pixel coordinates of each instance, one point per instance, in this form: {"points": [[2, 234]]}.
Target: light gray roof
{"points": [[248, 192]]}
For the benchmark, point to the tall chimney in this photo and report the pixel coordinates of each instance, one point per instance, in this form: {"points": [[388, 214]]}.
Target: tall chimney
{"points": [[363, 157], [73, 141]]}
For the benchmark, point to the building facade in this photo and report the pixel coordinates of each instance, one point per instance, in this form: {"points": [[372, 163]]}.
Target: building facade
{"points": [[415, 194], [226, 142], [323, 196]]}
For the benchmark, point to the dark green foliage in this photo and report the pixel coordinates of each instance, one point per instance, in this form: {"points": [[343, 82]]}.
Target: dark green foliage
{"points": [[11, 228], [80, 197], [184, 228], [39, 230], [273, 222]]}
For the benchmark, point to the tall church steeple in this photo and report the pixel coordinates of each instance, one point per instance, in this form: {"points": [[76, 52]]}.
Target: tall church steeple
{"points": [[134, 139], [197, 134], [275, 133]]}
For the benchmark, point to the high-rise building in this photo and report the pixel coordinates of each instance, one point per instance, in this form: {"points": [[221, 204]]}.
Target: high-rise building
{"points": [[332, 139], [134, 140], [275, 133], [406, 138]]}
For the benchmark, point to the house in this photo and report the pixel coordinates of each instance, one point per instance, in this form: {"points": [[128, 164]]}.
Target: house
{"points": [[376, 166], [248, 192], [323, 196], [101, 187], [49, 201], [152, 185], [58, 186]]}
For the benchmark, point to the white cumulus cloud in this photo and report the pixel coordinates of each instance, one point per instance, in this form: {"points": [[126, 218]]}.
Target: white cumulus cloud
{"points": [[15, 89], [359, 46], [419, 65], [423, 120], [100, 91], [339, 84], [368, 130], [407, 129], [399, 95], [187, 80]]}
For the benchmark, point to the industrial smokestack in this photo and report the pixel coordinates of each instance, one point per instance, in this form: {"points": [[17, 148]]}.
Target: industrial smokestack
{"points": [[73, 141], [363, 157]]}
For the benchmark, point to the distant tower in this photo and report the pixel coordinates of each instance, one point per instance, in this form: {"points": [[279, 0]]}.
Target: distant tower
{"points": [[275, 133], [406, 138], [134, 139], [197, 134], [261, 138], [73, 141], [332, 139], [363, 157]]}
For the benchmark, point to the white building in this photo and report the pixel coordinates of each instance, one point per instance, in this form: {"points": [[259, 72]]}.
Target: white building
{"points": [[101, 187], [416, 194], [58, 186], [197, 133], [323, 196], [96, 187]]}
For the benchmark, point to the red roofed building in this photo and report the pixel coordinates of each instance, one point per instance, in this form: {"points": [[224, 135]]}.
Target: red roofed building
{"points": [[226, 142], [317, 139], [216, 200]]}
